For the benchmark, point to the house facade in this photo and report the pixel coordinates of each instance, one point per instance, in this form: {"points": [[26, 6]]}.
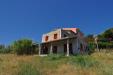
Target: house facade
{"points": [[68, 41]]}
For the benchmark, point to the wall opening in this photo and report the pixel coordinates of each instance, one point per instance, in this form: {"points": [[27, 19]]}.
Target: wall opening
{"points": [[55, 36], [45, 50], [70, 48], [46, 38], [65, 48], [55, 49]]}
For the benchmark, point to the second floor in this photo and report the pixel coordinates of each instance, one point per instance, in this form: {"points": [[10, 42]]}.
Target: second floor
{"points": [[60, 34]]}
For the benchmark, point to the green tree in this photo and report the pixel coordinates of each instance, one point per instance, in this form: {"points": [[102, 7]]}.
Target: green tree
{"points": [[91, 43], [107, 35], [22, 46], [90, 38], [105, 40]]}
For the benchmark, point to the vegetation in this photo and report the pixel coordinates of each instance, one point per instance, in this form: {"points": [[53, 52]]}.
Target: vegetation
{"points": [[98, 63], [23, 46], [5, 49], [20, 47], [27, 69], [107, 35], [90, 38], [91, 43], [106, 39]]}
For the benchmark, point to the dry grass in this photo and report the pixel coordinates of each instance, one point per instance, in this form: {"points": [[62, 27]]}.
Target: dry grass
{"points": [[9, 63], [99, 63]]}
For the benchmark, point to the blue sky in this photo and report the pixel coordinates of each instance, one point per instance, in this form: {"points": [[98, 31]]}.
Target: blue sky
{"points": [[32, 18]]}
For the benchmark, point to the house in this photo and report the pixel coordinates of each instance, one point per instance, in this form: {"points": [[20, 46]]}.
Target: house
{"points": [[68, 41]]}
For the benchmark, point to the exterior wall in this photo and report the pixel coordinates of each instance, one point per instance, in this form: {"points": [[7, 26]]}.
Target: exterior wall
{"points": [[51, 35], [60, 46], [76, 46]]}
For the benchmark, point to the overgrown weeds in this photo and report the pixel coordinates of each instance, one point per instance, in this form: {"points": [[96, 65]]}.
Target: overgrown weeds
{"points": [[83, 61], [27, 69]]}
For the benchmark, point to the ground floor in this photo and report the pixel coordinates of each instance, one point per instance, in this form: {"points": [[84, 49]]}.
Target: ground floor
{"points": [[70, 46]]}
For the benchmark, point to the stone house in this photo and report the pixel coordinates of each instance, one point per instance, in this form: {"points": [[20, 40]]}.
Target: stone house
{"points": [[68, 41]]}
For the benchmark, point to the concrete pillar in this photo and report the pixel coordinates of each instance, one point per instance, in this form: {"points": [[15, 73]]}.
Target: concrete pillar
{"points": [[39, 46], [51, 49], [78, 46], [67, 47]]}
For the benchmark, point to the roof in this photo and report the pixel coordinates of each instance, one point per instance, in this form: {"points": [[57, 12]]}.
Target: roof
{"points": [[71, 29]]}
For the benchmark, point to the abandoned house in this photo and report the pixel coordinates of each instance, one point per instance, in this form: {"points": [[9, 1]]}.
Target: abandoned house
{"points": [[68, 41]]}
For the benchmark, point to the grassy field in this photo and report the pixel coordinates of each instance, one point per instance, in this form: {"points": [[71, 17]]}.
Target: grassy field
{"points": [[95, 64]]}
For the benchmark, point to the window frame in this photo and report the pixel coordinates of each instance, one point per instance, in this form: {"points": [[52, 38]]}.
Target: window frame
{"points": [[55, 36], [46, 38]]}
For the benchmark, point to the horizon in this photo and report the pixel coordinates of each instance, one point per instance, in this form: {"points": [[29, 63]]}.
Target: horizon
{"points": [[32, 18]]}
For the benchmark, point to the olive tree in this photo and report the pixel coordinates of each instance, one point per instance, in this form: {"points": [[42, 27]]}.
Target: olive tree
{"points": [[22, 46]]}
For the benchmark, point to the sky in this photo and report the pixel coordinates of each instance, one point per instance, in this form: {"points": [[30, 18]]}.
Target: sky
{"points": [[31, 18]]}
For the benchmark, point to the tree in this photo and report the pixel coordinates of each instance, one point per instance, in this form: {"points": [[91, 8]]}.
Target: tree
{"points": [[22, 46], [107, 35], [91, 43], [106, 39], [90, 38]]}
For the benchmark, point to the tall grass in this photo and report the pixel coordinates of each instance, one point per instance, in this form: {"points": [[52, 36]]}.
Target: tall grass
{"points": [[84, 61], [27, 69], [55, 56], [95, 64]]}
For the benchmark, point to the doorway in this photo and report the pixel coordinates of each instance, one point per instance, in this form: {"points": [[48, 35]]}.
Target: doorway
{"points": [[55, 49], [65, 48], [70, 48], [45, 50]]}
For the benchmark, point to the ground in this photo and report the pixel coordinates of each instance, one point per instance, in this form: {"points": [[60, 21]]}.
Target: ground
{"points": [[98, 63]]}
